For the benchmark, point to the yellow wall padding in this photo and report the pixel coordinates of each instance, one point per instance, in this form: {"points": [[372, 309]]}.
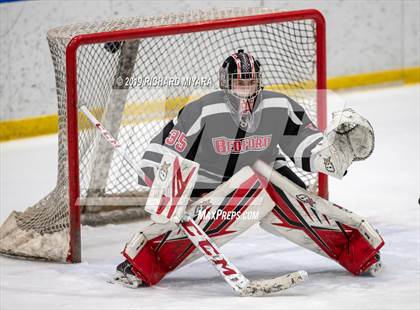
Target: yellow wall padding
{"points": [[28, 127]]}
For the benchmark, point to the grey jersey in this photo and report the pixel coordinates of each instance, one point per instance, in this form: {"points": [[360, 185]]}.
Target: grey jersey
{"points": [[205, 131]]}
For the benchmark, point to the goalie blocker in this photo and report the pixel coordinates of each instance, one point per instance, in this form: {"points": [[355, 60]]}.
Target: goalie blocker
{"points": [[281, 208]]}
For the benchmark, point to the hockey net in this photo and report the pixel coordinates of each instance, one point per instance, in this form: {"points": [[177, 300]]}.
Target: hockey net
{"points": [[105, 73]]}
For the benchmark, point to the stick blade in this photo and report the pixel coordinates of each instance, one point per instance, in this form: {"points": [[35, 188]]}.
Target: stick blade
{"points": [[269, 286]]}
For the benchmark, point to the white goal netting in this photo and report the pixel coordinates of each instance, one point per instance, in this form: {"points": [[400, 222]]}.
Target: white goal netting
{"points": [[108, 83]]}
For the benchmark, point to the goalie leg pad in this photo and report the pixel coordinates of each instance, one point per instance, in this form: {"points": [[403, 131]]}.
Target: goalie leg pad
{"points": [[319, 232], [359, 255], [223, 214], [145, 265]]}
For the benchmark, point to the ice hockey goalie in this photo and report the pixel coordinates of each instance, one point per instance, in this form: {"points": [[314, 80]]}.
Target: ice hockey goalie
{"points": [[241, 136]]}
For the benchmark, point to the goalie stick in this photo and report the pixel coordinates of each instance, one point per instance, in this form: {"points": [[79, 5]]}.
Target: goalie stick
{"points": [[205, 245]]}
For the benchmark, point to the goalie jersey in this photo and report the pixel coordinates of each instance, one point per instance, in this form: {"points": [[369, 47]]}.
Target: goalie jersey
{"points": [[205, 131]]}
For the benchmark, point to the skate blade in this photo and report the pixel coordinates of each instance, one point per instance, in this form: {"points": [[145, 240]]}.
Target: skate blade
{"points": [[375, 269], [126, 281]]}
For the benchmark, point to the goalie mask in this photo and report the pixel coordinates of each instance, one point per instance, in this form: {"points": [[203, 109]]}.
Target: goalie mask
{"points": [[240, 78]]}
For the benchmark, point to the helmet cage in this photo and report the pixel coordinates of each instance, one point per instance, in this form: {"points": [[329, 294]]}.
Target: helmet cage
{"points": [[226, 79], [249, 91]]}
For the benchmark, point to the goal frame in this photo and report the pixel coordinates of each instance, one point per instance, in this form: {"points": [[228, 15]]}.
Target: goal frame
{"points": [[74, 255]]}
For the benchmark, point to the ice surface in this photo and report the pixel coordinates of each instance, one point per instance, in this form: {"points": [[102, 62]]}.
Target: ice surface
{"points": [[385, 189]]}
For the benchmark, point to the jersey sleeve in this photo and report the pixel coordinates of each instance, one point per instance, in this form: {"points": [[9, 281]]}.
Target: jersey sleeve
{"points": [[299, 137], [181, 137]]}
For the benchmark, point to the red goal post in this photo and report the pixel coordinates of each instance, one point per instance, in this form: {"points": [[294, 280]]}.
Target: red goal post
{"points": [[130, 34]]}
